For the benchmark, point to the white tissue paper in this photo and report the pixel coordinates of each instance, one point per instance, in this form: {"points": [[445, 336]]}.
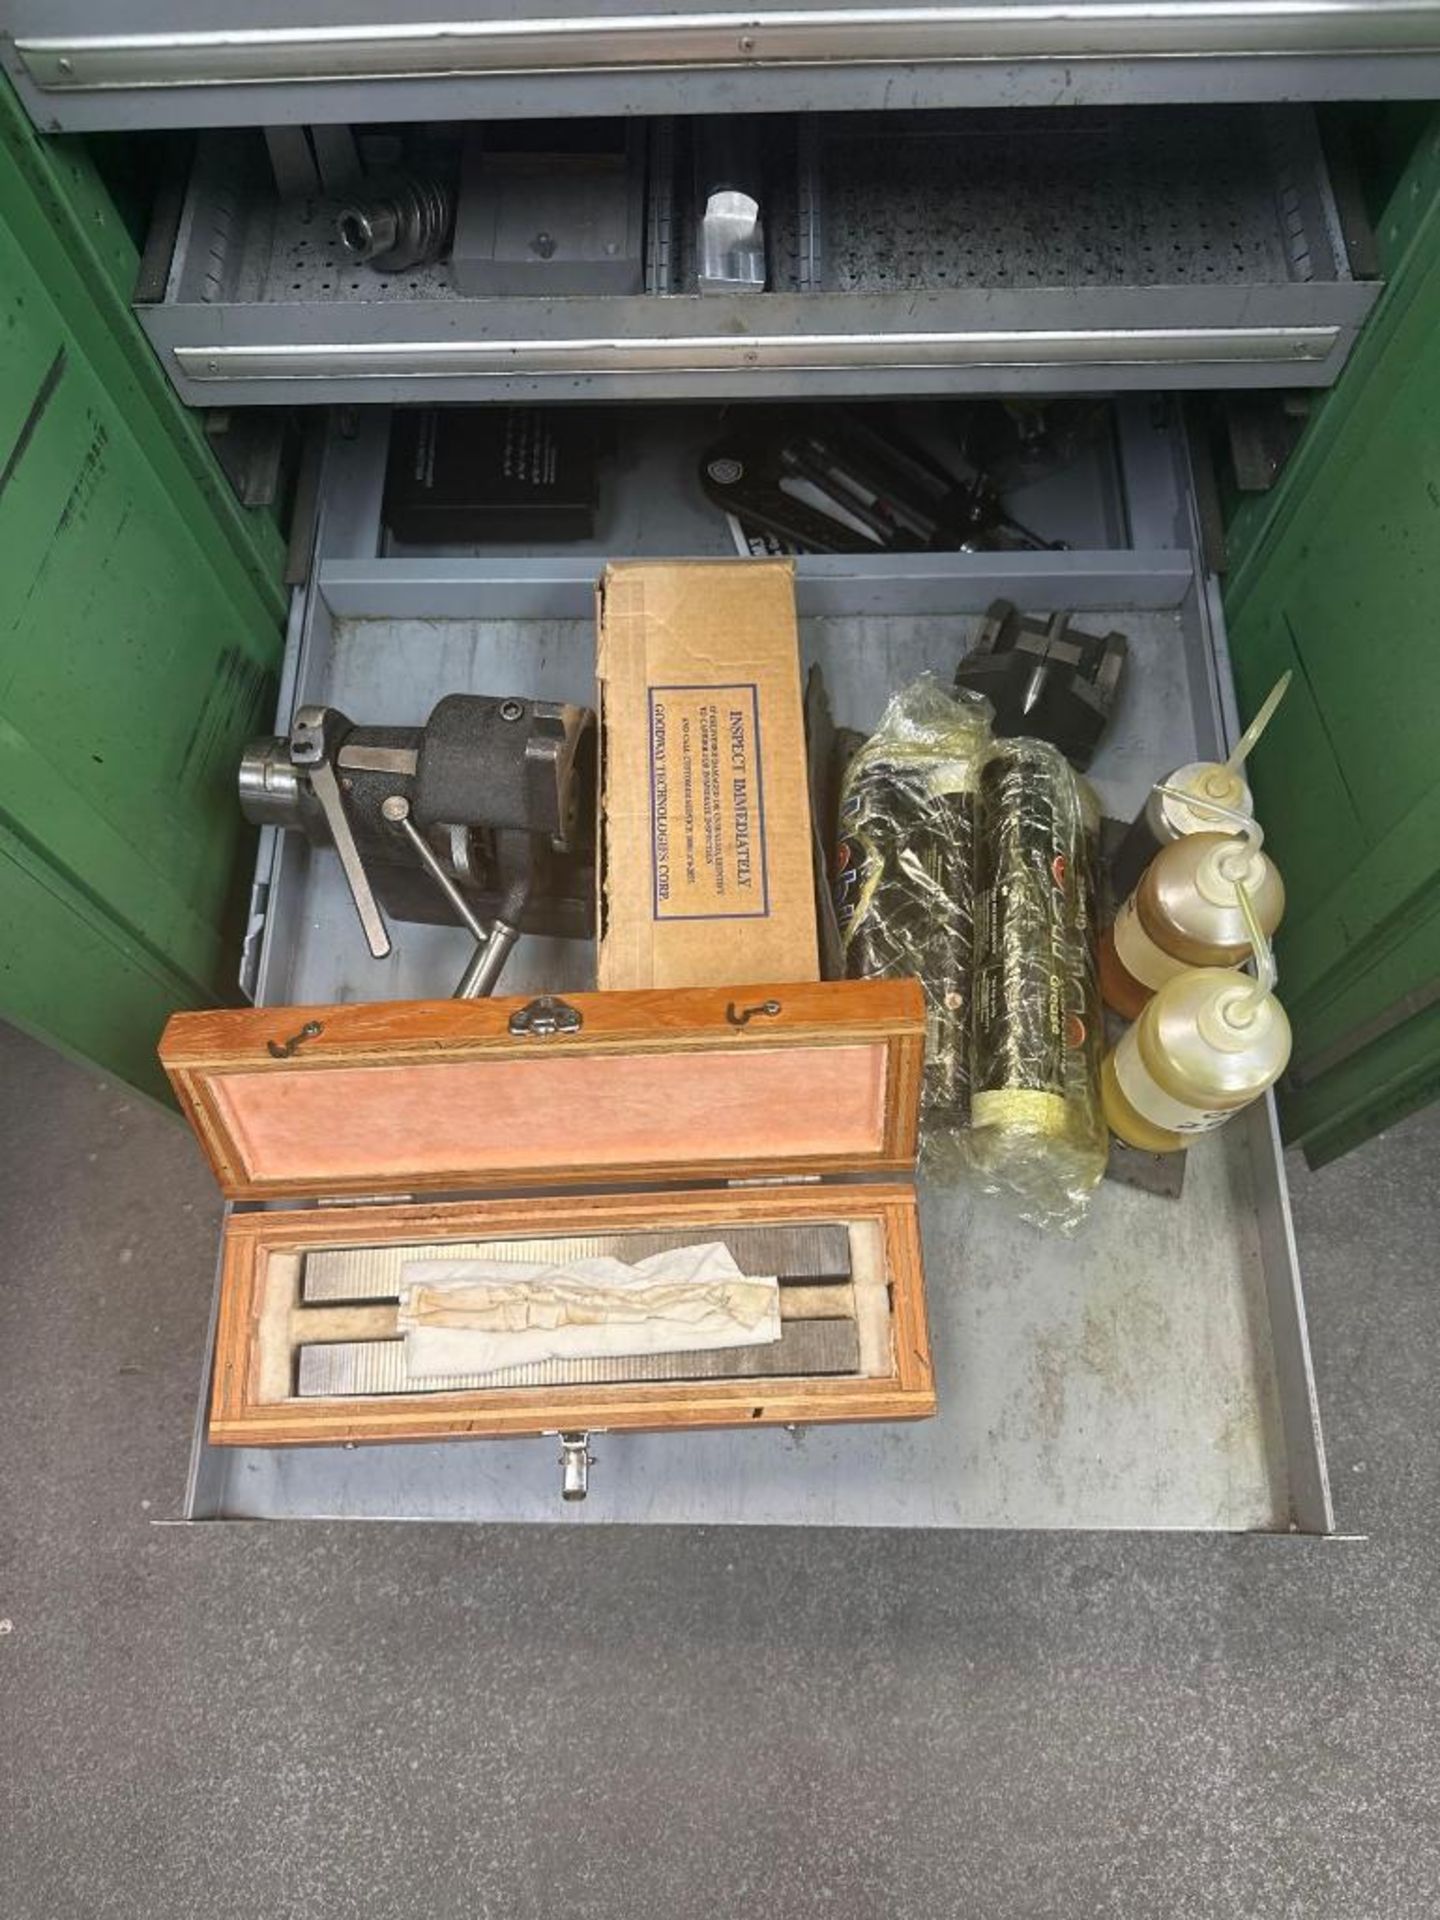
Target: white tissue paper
{"points": [[485, 1316]]}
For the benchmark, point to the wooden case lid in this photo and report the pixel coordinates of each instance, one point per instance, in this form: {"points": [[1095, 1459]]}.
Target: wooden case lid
{"points": [[433, 1096]]}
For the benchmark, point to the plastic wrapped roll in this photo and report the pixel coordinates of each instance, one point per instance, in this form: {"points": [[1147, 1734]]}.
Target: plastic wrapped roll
{"points": [[904, 879], [1085, 1017], [1038, 1133]]}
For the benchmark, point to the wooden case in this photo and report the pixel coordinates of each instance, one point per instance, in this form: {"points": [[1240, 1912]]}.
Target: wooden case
{"points": [[762, 1087]]}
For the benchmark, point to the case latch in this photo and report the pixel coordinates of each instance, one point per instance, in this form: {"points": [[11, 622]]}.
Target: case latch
{"points": [[576, 1461], [547, 1015]]}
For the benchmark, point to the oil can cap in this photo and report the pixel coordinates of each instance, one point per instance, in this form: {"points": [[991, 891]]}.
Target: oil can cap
{"points": [[1202, 782], [1228, 860]]}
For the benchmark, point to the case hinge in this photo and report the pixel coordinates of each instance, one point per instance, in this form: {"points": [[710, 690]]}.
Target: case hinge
{"points": [[777, 1180], [547, 1015], [363, 1199]]}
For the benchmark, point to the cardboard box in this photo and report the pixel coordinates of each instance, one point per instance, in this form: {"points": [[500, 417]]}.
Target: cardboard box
{"points": [[706, 875]]}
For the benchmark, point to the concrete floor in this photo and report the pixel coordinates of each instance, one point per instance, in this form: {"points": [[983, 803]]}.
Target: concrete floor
{"points": [[507, 1724]]}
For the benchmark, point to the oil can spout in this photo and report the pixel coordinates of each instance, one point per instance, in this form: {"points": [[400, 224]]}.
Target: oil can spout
{"points": [[1242, 1012]]}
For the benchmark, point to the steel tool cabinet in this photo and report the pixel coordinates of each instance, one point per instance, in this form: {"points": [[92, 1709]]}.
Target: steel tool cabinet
{"points": [[1155, 1372]]}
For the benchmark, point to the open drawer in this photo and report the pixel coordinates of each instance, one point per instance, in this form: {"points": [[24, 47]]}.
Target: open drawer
{"points": [[904, 253], [1152, 1372]]}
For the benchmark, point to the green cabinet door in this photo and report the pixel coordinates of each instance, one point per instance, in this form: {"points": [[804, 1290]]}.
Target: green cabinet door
{"points": [[1340, 580], [140, 627]]}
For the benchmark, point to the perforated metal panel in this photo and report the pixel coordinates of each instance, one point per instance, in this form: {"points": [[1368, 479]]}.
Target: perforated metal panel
{"points": [[241, 242], [307, 263], [1124, 199], [887, 204]]}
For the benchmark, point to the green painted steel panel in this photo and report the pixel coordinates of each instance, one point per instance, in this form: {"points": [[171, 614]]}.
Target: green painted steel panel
{"points": [[1339, 579], [140, 624]]}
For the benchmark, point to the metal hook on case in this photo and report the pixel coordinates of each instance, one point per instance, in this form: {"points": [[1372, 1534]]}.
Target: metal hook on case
{"points": [[286, 1050], [742, 1016]]}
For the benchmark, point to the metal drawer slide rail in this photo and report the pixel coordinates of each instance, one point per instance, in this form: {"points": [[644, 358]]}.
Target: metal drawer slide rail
{"points": [[461, 48]]}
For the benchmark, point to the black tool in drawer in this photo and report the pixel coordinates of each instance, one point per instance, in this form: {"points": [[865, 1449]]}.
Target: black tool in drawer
{"points": [[477, 474], [483, 817]]}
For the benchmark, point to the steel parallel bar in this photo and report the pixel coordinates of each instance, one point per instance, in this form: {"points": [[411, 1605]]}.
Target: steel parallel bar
{"points": [[814, 1253], [806, 1347]]}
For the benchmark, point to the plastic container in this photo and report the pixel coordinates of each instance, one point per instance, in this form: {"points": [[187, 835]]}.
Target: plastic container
{"points": [[1208, 1043], [1186, 913], [1202, 797], [1166, 818]]}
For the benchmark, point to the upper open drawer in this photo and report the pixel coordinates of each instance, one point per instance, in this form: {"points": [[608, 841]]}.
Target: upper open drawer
{"points": [[902, 253], [217, 63]]}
